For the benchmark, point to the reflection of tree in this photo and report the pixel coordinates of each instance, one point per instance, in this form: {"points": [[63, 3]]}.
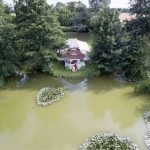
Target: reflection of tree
{"points": [[86, 37], [13, 109], [108, 95], [95, 97], [104, 84], [15, 102], [36, 82], [75, 84], [53, 112]]}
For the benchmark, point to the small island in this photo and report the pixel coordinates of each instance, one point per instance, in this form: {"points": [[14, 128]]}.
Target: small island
{"points": [[108, 141], [49, 95]]}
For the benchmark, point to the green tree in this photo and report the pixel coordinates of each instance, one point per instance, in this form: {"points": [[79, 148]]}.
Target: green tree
{"points": [[96, 5], [135, 57], [80, 17], [64, 14], [141, 24], [107, 41], [39, 35], [7, 53], [71, 6]]}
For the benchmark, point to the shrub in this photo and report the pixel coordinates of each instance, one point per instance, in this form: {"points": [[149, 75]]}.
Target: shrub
{"points": [[48, 95], [2, 82], [67, 29], [108, 141], [143, 87], [147, 116]]}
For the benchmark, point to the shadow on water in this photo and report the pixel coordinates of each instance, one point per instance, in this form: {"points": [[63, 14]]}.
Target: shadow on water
{"points": [[140, 98], [35, 82], [105, 84]]}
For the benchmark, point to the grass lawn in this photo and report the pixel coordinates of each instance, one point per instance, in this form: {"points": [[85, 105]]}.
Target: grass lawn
{"points": [[58, 69]]}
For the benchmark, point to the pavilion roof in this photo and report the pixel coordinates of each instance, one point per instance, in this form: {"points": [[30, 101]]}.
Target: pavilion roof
{"points": [[74, 54]]}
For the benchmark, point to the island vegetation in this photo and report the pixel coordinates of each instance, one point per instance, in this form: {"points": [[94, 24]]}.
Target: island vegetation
{"points": [[108, 141], [49, 95]]}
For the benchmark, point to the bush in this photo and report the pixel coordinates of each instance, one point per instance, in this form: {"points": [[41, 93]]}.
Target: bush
{"points": [[147, 116], [48, 95], [67, 29], [143, 87], [108, 141], [2, 82]]}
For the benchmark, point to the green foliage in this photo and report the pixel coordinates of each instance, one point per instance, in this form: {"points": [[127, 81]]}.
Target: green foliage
{"points": [[49, 95], [96, 5], [108, 41], [80, 16], [59, 70], [71, 5], [136, 57], [143, 87], [121, 10], [140, 7], [7, 52], [141, 24], [38, 35], [64, 14], [108, 141], [147, 117], [67, 29]]}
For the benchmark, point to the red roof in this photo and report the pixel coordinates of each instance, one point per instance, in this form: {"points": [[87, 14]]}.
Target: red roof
{"points": [[74, 54]]}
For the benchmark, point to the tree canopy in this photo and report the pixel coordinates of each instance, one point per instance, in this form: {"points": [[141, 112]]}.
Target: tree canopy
{"points": [[107, 40], [7, 52], [38, 33], [96, 5], [141, 24]]}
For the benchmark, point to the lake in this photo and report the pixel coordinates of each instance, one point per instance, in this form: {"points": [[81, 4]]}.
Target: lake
{"points": [[88, 107]]}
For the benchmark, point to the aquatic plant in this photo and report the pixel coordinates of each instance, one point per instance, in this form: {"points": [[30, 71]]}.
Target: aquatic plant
{"points": [[108, 141], [147, 136], [143, 87], [49, 95], [147, 116]]}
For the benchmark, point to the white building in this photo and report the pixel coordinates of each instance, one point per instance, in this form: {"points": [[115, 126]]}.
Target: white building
{"points": [[76, 55]]}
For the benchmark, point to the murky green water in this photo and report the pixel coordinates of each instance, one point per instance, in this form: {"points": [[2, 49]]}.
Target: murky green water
{"points": [[89, 107], [86, 37]]}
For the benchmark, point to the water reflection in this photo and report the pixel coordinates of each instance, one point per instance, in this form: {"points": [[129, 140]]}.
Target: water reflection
{"points": [[88, 107], [75, 84]]}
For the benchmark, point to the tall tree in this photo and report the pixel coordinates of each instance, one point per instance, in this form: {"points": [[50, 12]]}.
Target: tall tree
{"points": [[7, 53], [71, 5], [141, 24], [108, 41], [64, 14], [38, 34], [80, 17], [96, 5], [135, 57]]}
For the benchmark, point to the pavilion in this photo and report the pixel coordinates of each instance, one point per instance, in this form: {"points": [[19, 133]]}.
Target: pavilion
{"points": [[76, 54]]}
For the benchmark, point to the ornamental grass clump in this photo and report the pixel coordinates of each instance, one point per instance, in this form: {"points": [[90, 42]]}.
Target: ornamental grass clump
{"points": [[48, 95], [108, 141]]}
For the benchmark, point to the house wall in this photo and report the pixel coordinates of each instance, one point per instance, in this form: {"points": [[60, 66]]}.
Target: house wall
{"points": [[79, 64]]}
